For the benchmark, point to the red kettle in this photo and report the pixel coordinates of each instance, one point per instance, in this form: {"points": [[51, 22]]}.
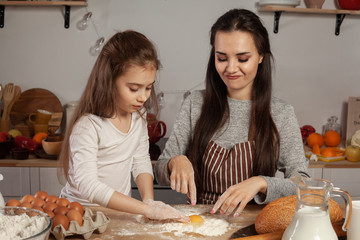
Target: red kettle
{"points": [[156, 129]]}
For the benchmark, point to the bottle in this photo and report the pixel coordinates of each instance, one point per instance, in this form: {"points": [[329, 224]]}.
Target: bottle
{"points": [[332, 125]]}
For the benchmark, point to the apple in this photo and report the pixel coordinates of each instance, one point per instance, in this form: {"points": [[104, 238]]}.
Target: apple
{"points": [[4, 137], [352, 153]]}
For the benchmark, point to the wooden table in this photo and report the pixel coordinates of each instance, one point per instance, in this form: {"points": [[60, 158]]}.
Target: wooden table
{"points": [[129, 226]]}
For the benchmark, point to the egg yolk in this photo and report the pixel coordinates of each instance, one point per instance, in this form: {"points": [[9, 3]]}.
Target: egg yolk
{"points": [[196, 219]]}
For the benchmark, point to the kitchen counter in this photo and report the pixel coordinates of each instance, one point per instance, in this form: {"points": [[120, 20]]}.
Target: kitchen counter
{"points": [[129, 226], [33, 161]]}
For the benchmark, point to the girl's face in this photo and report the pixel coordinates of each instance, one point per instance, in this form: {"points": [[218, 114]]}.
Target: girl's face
{"points": [[236, 61], [134, 88]]}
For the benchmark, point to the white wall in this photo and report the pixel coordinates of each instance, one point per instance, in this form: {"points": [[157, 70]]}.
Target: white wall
{"points": [[316, 71]]}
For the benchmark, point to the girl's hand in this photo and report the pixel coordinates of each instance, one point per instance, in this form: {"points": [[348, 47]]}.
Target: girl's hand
{"points": [[160, 211], [182, 176], [240, 193]]}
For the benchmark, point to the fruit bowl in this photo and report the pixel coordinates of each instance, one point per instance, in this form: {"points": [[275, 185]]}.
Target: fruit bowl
{"points": [[15, 217], [5, 148]]}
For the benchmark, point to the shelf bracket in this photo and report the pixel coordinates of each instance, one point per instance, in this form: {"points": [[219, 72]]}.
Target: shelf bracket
{"points": [[277, 15], [67, 16], [2, 15], [339, 20]]}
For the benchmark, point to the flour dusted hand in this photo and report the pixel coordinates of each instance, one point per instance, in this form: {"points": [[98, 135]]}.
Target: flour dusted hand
{"points": [[161, 211]]}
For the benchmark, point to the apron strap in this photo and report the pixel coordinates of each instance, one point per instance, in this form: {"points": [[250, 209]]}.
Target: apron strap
{"points": [[252, 125]]}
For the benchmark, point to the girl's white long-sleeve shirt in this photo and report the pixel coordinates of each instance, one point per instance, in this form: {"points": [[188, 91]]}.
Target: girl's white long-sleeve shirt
{"points": [[102, 159]]}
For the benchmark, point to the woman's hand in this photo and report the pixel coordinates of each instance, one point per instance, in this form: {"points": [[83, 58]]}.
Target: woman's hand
{"points": [[182, 176], [240, 193], [160, 211]]}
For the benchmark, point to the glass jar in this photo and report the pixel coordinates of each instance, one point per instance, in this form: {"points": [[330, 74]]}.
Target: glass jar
{"points": [[332, 125]]}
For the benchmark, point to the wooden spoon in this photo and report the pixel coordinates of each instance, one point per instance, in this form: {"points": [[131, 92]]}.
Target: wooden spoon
{"points": [[16, 97], [9, 93]]}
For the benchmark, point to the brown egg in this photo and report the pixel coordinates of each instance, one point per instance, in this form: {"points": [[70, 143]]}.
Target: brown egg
{"points": [[37, 202], [39, 208], [74, 215], [60, 219], [61, 210], [41, 194], [49, 206], [13, 203], [51, 198], [62, 202], [26, 205], [27, 198], [77, 206], [50, 213], [32, 214]]}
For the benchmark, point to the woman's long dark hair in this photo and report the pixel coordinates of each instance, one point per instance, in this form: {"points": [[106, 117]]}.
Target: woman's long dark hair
{"points": [[100, 97], [215, 108]]}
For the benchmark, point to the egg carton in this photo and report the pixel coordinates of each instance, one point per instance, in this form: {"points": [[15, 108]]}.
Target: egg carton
{"points": [[91, 222]]}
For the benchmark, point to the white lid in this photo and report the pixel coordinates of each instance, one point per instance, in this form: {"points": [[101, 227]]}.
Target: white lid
{"points": [[72, 104]]}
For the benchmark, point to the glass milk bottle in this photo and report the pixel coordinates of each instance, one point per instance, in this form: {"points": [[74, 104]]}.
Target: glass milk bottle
{"points": [[311, 220]]}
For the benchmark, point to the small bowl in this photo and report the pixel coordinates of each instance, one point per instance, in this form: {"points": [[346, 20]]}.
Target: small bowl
{"points": [[20, 153], [52, 148], [42, 234], [5, 148], [54, 137]]}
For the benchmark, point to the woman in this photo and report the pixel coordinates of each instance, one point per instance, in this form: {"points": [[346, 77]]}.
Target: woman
{"points": [[230, 139]]}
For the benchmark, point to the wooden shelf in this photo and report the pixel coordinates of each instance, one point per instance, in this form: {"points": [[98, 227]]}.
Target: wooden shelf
{"points": [[66, 4], [44, 3], [32, 161], [340, 14], [273, 8], [336, 164]]}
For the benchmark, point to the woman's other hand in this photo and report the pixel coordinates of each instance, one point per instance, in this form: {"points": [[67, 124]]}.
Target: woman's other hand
{"points": [[182, 176], [160, 211], [239, 195]]}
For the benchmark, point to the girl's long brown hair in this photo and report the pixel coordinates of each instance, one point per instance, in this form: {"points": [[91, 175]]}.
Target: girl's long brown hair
{"points": [[100, 97], [215, 108]]}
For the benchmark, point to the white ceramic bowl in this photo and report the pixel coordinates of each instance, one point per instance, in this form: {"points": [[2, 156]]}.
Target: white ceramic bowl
{"points": [[42, 234]]}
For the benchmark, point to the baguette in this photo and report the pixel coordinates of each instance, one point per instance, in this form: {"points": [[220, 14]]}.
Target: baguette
{"points": [[277, 215]]}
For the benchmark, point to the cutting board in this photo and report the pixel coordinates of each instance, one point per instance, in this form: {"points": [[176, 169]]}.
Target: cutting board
{"points": [[325, 159], [30, 101]]}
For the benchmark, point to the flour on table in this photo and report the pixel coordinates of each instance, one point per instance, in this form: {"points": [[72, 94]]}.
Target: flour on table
{"points": [[210, 227], [20, 226], [213, 226]]}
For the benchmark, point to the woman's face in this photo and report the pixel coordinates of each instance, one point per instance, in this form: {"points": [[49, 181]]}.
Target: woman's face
{"points": [[134, 87], [236, 61]]}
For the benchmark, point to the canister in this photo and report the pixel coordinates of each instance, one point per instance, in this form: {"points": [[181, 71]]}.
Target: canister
{"points": [[70, 109]]}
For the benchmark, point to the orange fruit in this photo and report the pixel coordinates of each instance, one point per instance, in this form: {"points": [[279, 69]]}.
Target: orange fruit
{"points": [[316, 149], [315, 138], [332, 138], [38, 137], [328, 152], [332, 152]]}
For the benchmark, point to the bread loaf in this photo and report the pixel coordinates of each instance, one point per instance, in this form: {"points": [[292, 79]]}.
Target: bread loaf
{"points": [[277, 215]]}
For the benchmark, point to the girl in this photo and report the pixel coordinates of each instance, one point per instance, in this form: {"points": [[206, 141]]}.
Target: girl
{"points": [[231, 138], [107, 139]]}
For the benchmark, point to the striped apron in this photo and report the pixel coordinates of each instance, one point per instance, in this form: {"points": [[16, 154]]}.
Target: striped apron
{"points": [[224, 167]]}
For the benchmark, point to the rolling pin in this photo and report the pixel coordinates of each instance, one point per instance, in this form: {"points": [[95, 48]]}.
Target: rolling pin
{"points": [[277, 235]]}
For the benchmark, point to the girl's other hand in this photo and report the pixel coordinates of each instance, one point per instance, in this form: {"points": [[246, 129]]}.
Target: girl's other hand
{"points": [[160, 211], [239, 194], [182, 176]]}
